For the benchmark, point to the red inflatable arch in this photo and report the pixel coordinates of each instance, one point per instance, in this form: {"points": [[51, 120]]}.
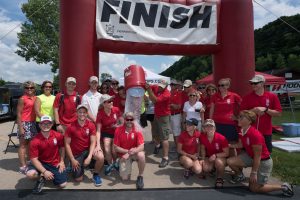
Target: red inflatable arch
{"points": [[233, 56]]}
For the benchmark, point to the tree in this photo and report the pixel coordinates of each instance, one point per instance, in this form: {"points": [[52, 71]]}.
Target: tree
{"points": [[38, 39], [280, 62], [105, 76], [2, 82]]}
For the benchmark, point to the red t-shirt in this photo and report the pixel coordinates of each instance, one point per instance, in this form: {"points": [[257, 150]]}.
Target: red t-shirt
{"points": [[217, 145], [184, 98], [107, 121], [225, 107], [120, 103], [162, 105], [189, 143], [80, 136], [66, 111], [127, 140], [47, 149], [176, 98], [28, 113], [114, 94], [207, 103], [268, 99], [254, 137]]}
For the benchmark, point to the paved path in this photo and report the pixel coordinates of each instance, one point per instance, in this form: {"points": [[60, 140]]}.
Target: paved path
{"points": [[154, 177]]}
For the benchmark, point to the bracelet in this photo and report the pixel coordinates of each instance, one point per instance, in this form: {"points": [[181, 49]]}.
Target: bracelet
{"points": [[44, 171], [254, 173]]}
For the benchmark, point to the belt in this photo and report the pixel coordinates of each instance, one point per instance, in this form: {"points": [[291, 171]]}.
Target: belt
{"points": [[175, 113], [263, 159]]}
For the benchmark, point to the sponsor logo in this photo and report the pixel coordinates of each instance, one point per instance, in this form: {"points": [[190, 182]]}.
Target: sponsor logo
{"points": [[55, 141]]}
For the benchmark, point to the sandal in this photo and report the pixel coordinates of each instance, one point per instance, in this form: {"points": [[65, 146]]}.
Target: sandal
{"points": [[219, 183]]}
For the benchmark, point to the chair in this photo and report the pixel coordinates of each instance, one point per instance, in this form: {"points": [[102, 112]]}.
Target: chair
{"points": [[10, 142]]}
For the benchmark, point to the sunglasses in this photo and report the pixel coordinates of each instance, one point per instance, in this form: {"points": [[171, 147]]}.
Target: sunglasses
{"points": [[29, 88], [192, 95], [201, 88], [222, 85], [255, 83], [110, 101], [129, 119]]}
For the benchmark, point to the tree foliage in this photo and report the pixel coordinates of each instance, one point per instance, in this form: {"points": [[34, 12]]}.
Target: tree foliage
{"points": [[38, 39]]}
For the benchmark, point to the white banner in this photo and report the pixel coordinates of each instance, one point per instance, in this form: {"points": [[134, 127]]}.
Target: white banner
{"points": [[291, 86], [156, 22]]}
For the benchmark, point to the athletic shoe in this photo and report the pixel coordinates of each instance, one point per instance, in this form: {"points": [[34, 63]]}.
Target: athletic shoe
{"points": [[164, 162], [107, 169], [156, 149], [287, 189], [23, 170], [39, 185], [97, 180], [139, 183], [238, 179], [116, 165], [186, 173]]}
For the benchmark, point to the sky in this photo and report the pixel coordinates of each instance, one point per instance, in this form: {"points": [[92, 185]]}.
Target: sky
{"points": [[15, 68]]}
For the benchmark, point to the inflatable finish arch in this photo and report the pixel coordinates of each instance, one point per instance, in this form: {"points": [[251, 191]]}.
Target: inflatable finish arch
{"points": [[233, 56]]}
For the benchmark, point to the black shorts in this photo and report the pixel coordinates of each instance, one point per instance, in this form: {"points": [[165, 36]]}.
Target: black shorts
{"points": [[80, 158]]}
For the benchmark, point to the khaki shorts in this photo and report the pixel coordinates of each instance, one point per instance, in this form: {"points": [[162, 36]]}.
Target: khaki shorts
{"points": [[162, 128], [264, 170], [126, 166]]}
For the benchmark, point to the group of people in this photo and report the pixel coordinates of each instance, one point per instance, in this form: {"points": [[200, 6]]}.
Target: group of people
{"points": [[212, 128]]}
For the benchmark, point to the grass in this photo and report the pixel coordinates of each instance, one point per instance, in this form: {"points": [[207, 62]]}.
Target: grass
{"points": [[286, 165]]}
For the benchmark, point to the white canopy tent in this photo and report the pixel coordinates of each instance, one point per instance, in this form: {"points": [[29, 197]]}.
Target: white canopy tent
{"points": [[151, 77]]}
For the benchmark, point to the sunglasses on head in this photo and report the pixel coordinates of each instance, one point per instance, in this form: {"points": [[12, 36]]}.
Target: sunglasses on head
{"points": [[129, 119], [29, 88], [253, 83], [222, 85]]}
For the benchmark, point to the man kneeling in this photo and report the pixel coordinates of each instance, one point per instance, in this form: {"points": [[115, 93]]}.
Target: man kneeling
{"points": [[47, 154], [80, 142], [129, 145]]}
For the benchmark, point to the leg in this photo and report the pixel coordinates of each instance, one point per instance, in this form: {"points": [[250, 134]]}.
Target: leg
{"points": [[141, 162], [22, 151], [186, 162], [236, 164], [108, 149], [125, 168], [99, 161], [220, 164], [197, 167], [207, 166]]}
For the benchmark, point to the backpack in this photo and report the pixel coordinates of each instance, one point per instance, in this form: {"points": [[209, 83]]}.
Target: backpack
{"points": [[62, 97]]}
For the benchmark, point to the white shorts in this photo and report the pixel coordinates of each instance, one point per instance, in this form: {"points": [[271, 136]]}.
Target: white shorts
{"points": [[176, 124]]}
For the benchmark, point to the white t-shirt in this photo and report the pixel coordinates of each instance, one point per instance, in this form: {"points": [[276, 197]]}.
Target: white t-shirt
{"points": [[190, 110], [92, 101]]}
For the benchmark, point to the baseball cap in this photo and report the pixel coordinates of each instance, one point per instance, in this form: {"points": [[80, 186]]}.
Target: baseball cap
{"points": [[257, 78], [105, 97], [209, 122], [187, 83], [192, 121], [82, 106], [71, 79], [46, 118], [93, 78], [163, 84]]}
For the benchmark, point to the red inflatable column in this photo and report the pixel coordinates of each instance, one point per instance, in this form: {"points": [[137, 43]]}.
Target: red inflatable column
{"points": [[236, 59], [78, 56]]}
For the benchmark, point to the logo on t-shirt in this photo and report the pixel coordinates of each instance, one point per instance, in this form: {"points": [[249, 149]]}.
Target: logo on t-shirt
{"points": [[115, 116], [87, 131], [248, 141], [55, 141], [74, 99], [267, 102], [228, 101], [197, 140], [217, 146], [132, 136]]}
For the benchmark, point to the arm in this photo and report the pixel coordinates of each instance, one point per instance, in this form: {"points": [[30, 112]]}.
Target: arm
{"points": [[257, 149], [57, 122], [38, 165], [88, 159], [224, 154], [20, 107], [37, 107], [74, 162], [211, 110], [237, 145], [98, 137], [61, 164], [202, 152], [183, 153]]}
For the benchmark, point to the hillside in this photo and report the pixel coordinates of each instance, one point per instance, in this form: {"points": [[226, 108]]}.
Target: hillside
{"points": [[277, 46]]}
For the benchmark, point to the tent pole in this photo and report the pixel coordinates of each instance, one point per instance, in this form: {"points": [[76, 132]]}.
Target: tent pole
{"points": [[290, 102]]}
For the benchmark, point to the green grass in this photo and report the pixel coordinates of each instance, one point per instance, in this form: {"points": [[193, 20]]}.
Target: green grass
{"points": [[287, 117]]}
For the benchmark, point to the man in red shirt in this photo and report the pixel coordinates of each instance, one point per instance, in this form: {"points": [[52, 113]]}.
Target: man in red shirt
{"points": [[47, 154], [129, 145], [187, 86], [80, 142], [160, 96], [65, 107], [265, 105]]}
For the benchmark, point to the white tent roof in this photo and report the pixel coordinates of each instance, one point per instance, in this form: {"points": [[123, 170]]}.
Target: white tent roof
{"points": [[151, 77]]}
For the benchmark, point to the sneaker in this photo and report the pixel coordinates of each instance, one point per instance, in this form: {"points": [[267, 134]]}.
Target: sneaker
{"points": [[39, 185], [116, 165], [107, 170], [287, 189], [139, 183], [97, 180], [23, 170], [238, 179], [186, 173], [156, 149], [164, 162]]}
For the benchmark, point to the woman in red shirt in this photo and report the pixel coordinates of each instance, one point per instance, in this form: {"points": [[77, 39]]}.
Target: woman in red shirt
{"points": [[210, 89], [214, 151], [26, 122], [256, 156], [188, 147], [108, 119]]}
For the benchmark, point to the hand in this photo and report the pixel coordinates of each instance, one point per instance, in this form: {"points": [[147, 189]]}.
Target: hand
{"points": [[212, 158], [75, 165], [253, 178], [259, 110], [125, 156], [194, 157], [87, 161], [61, 167], [147, 86], [132, 151], [97, 149], [48, 175], [60, 129]]}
